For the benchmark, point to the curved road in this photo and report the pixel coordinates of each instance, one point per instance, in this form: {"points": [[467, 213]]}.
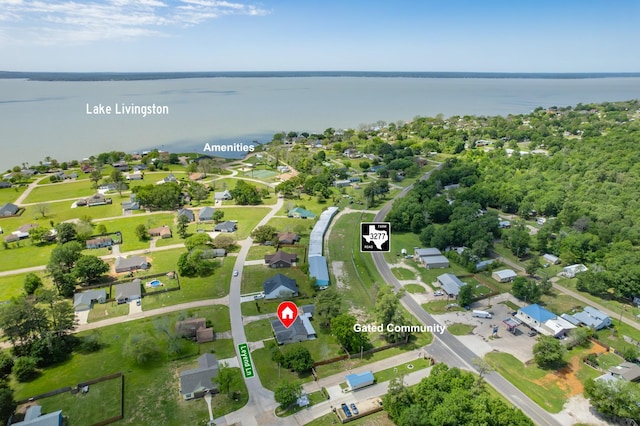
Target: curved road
{"points": [[450, 347]]}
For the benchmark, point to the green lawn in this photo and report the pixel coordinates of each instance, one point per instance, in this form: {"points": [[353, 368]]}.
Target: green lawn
{"points": [[440, 306], [107, 310], [302, 227], [458, 329], [608, 359], [152, 386], [102, 402], [9, 195], [127, 226], [61, 191], [222, 348], [270, 374], [247, 217], [306, 202], [258, 330], [406, 368], [253, 277], [403, 274], [399, 241], [414, 288], [22, 254], [314, 398], [13, 285]]}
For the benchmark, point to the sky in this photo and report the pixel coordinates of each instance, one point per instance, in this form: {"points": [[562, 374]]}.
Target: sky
{"points": [[329, 35]]}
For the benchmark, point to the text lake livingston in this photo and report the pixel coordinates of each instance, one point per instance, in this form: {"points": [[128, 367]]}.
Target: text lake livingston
{"points": [[48, 118]]}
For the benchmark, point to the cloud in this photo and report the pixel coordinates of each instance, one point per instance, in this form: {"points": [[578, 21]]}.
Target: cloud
{"points": [[78, 22]]}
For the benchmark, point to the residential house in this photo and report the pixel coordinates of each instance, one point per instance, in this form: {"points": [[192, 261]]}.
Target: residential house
{"points": [[504, 224], [205, 214], [98, 200], [484, 264], [25, 228], [108, 187], [213, 253], [341, 183], [504, 275], [628, 371], [280, 287], [301, 213], [451, 187], [227, 226], [196, 382], [551, 259], [132, 263], [288, 238], [196, 176], [187, 213], [137, 175], [34, 417], [99, 242], [280, 259], [161, 231], [128, 292], [9, 209], [195, 329], [572, 270], [4, 185], [121, 165], [359, 380], [84, 301], [301, 330], [169, 178], [222, 196], [132, 204], [593, 318], [450, 284], [351, 153], [86, 168]]}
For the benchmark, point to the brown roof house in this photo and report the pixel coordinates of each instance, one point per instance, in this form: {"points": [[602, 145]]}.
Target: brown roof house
{"points": [[280, 259], [161, 231], [195, 329], [196, 382], [100, 242], [288, 238]]}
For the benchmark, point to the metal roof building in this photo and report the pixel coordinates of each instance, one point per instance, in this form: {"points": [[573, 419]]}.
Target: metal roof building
{"points": [[319, 229]]}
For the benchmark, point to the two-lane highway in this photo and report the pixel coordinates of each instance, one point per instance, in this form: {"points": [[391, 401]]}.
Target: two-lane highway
{"points": [[451, 347]]}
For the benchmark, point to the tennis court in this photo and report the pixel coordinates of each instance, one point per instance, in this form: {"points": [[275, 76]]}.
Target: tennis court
{"points": [[260, 174]]}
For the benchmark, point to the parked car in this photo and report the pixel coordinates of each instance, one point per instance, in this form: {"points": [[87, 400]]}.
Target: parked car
{"points": [[532, 333], [438, 293], [235, 273], [138, 302], [354, 409], [346, 410]]}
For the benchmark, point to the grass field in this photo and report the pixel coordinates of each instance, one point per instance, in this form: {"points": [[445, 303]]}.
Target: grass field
{"points": [[151, 390], [399, 241], [61, 191], [271, 375], [258, 330], [9, 195], [306, 202], [440, 306], [22, 254], [458, 329], [406, 368], [403, 274], [13, 285], [414, 288], [127, 226], [290, 224]]}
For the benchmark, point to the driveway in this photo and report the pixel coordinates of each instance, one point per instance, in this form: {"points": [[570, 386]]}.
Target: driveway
{"points": [[134, 308]]}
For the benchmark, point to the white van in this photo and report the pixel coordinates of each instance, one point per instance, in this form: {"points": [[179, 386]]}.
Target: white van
{"points": [[481, 314]]}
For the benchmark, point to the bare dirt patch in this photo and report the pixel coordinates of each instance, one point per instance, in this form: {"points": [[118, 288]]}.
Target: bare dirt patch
{"points": [[338, 271]]}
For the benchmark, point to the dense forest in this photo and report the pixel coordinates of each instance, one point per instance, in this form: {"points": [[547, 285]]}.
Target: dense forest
{"points": [[583, 179]]}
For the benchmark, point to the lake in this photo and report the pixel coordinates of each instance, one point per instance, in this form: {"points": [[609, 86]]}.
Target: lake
{"points": [[49, 118]]}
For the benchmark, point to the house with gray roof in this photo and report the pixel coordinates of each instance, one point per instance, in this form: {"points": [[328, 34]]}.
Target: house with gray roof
{"points": [[128, 292], [34, 417], [222, 196], [504, 275], [196, 382], [280, 259], [205, 213], [85, 300], [132, 263], [280, 287], [591, 317], [300, 331], [4, 185], [450, 284], [213, 253], [9, 209], [187, 213], [227, 226]]}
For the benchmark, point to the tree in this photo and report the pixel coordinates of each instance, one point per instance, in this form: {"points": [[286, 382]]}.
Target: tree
{"points": [[6, 364], [159, 197], [465, 295], [218, 215], [89, 269], [66, 232], [328, 306], [24, 369], [183, 223], [246, 194], [39, 234], [548, 352], [32, 282], [101, 229], [197, 240], [224, 241], [141, 348], [118, 179], [95, 177], [287, 393], [224, 379], [533, 265], [517, 239], [263, 233], [388, 311], [142, 233], [298, 359], [342, 328], [398, 397], [7, 403], [43, 209], [618, 398], [198, 191], [527, 290]]}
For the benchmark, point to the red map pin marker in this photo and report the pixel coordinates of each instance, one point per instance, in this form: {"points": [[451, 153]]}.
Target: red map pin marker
{"points": [[287, 313]]}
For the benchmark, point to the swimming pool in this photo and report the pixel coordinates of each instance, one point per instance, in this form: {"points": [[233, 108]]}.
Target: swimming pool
{"points": [[155, 283]]}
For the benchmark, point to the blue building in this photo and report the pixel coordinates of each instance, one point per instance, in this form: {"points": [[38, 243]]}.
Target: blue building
{"points": [[318, 270], [359, 381]]}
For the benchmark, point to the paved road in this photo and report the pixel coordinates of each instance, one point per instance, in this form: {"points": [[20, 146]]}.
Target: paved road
{"points": [[452, 349]]}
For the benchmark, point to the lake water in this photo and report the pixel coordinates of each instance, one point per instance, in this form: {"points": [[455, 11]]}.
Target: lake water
{"points": [[49, 118]]}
